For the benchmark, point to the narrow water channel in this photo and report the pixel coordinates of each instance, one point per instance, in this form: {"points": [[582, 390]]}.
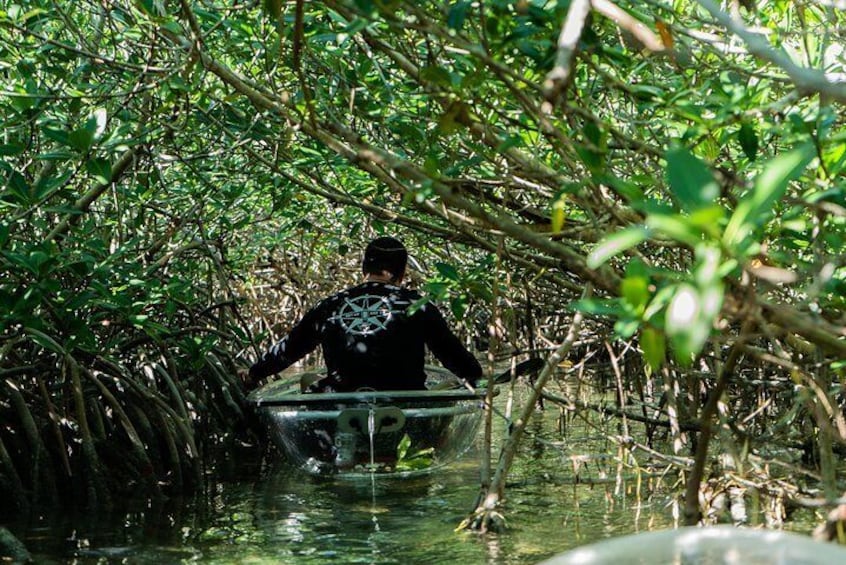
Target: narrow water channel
{"points": [[562, 494]]}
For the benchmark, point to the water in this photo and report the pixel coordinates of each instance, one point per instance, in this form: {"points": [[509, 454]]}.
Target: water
{"points": [[271, 513], [371, 432]]}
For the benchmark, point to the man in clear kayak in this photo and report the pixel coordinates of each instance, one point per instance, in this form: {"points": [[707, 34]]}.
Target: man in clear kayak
{"points": [[371, 336]]}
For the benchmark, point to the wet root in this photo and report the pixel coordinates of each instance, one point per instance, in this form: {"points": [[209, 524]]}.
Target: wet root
{"points": [[486, 518]]}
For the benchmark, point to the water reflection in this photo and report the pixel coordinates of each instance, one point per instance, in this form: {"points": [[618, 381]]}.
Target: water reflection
{"points": [[384, 520], [562, 493]]}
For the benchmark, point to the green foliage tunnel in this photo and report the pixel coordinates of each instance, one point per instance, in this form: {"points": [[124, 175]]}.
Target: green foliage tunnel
{"points": [[180, 178]]}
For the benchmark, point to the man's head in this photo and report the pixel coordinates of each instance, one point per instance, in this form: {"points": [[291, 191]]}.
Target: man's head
{"points": [[385, 254]]}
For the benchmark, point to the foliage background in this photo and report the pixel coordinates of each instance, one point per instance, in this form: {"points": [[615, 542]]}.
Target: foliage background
{"points": [[183, 179]]}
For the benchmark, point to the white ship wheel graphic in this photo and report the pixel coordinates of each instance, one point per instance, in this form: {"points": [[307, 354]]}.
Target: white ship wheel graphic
{"points": [[365, 315]]}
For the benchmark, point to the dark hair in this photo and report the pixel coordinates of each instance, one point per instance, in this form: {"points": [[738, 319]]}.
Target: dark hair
{"points": [[385, 254]]}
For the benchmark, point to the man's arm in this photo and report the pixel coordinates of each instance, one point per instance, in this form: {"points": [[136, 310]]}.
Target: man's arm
{"points": [[301, 341], [447, 348]]}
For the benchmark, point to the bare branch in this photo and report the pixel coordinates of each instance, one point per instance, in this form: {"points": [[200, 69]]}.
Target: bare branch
{"points": [[623, 19], [559, 77]]}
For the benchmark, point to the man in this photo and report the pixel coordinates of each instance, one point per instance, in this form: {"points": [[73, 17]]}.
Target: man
{"points": [[370, 335]]}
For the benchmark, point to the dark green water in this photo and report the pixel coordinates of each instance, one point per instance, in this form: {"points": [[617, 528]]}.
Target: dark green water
{"points": [[564, 491], [275, 514]]}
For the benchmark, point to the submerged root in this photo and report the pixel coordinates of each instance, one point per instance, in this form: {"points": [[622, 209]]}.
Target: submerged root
{"points": [[108, 427], [486, 518], [97, 491], [11, 482], [483, 521]]}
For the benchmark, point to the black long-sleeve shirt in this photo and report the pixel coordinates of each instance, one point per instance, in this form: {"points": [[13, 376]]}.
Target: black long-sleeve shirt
{"points": [[370, 339]]}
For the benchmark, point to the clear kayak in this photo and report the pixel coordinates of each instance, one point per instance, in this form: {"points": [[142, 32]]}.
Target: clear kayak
{"points": [[366, 432], [706, 546]]}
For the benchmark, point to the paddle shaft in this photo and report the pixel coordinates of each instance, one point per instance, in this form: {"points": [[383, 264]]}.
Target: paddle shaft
{"points": [[522, 368], [526, 367]]}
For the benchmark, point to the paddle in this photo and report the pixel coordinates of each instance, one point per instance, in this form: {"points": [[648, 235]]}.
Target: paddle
{"points": [[527, 367], [301, 379]]}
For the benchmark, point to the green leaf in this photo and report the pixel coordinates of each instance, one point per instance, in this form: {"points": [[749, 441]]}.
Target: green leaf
{"points": [[691, 181], [155, 8], [422, 459], [432, 165], [598, 306], [616, 243], [593, 155], [707, 269], [458, 306], [60, 155], [37, 259], [492, 26], [480, 290], [402, 448], [81, 139], [173, 27], [96, 122], [748, 138], [625, 328], [593, 134], [635, 291], [658, 302], [457, 14], [12, 148], [683, 310], [685, 324], [711, 302], [366, 6], [627, 189], [20, 260], [708, 219], [675, 227], [58, 135], [653, 346], [355, 26], [33, 13], [19, 188], [80, 334], [436, 74], [835, 158], [447, 271], [100, 169], [22, 103], [509, 142], [593, 160], [770, 186]]}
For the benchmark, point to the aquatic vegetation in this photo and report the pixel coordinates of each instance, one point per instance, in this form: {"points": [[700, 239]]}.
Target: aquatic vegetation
{"points": [[413, 459]]}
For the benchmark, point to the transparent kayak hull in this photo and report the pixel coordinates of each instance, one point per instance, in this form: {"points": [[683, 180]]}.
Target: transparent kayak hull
{"points": [[388, 432], [706, 546]]}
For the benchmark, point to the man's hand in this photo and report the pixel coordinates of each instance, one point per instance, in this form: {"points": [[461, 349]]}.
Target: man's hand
{"points": [[243, 374]]}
